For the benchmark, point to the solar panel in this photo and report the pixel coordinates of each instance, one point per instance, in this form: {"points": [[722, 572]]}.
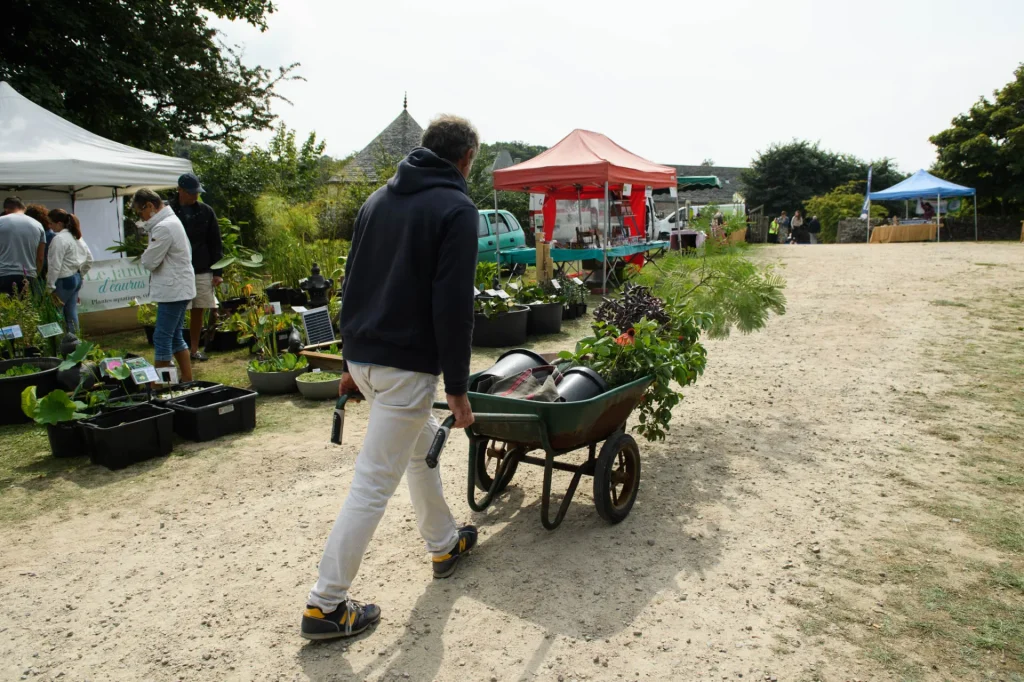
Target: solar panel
{"points": [[318, 326]]}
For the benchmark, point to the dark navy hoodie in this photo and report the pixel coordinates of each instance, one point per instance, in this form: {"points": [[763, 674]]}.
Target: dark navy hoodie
{"points": [[407, 300]]}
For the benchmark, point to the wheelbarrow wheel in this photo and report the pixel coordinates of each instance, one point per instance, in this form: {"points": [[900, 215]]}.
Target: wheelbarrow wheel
{"points": [[617, 477], [489, 457]]}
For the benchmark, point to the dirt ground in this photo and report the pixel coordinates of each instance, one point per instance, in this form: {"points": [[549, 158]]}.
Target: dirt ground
{"points": [[805, 455]]}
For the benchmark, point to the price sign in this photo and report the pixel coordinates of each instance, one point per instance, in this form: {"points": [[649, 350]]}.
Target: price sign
{"points": [[11, 333], [627, 189], [299, 309], [316, 370], [491, 292], [502, 294], [145, 375], [137, 363], [556, 284], [168, 375], [50, 329], [577, 280], [276, 305]]}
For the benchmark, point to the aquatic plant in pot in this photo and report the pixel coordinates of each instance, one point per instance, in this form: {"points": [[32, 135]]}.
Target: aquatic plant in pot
{"points": [[60, 414], [145, 315], [499, 322], [545, 315], [318, 385], [574, 297], [269, 373]]}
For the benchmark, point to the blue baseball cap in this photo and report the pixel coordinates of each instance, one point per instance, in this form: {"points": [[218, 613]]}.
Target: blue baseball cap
{"points": [[190, 183]]}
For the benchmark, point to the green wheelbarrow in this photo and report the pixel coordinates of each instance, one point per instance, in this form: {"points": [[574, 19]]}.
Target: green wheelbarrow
{"points": [[507, 430]]}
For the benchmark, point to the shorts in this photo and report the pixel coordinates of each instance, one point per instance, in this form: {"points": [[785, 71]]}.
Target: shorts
{"points": [[206, 293]]}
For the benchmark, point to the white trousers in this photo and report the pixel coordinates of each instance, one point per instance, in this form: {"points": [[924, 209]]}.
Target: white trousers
{"points": [[399, 433]]}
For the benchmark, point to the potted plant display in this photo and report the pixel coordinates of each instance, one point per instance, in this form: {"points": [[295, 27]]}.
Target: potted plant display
{"points": [[318, 385], [19, 319], [545, 315], [145, 315], [270, 372], [499, 322], [575, 298]]}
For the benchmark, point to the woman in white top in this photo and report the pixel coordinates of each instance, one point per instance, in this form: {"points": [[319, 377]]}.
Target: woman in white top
{"points": [[68, 258], [172, 284]]}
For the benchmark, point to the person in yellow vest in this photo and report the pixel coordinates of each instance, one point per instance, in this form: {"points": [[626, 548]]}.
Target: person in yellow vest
{"points": [[773, 232]]}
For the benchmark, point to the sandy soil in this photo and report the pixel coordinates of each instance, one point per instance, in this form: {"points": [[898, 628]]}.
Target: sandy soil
{"points": [[780, 457]]}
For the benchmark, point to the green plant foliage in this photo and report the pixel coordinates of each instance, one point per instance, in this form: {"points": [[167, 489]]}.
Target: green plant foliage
{"points": [[486, 272], [318, 377], [984, 148], [670, 353], [533, 293], [23, 310], [145, 313], [78, 355], [845, 201], [493, 307], [133, 90], [21, 370], [572, 293], [133, 246], [286, 362], [56, 407], [785, 176], [733, 290]]}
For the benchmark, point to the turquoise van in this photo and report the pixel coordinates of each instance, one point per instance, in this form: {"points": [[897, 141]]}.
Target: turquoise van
{"points": [[506, 229]]}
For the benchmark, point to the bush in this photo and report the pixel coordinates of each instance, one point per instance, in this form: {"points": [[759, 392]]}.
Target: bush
{"points": [[842, 202]]}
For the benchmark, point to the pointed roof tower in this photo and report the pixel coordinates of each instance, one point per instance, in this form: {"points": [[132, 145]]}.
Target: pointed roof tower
{"points": [[392, 144]]}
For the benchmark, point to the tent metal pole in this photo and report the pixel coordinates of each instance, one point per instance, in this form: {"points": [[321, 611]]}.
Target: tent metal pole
{"points": [[497, 242], [677, 223], [975, 202], [867, 221], [938, 217], [604, 245]]}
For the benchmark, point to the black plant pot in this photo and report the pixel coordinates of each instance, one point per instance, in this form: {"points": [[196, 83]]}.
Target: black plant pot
{"points": [[11, 387], [149, 333], [278, 295], [544, 318], [224, 340], [569, 311], [507, 329], [66, 439], [298, 297]]}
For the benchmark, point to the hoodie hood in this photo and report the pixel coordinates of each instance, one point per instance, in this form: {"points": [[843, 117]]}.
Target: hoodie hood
{"points": [[423, 170]]}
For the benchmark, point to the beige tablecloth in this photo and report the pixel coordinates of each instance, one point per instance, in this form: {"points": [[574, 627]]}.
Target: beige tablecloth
{"points": [[886, 234]]}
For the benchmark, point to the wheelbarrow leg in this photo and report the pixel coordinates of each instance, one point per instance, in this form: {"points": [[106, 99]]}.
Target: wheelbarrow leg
{"points": [[545, 503]]}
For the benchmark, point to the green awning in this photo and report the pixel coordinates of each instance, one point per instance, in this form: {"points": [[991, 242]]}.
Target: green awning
{"points": [[691, 182]]}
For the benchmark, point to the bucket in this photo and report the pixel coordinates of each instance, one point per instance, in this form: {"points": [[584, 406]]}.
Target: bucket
{"points": [[515, 361], [580, 383]]}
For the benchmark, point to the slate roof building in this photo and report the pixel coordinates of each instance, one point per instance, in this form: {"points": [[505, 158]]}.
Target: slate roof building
{"points": [[392, 144], [729, 177]]}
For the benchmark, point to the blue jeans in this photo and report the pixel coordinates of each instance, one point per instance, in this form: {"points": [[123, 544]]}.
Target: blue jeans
{"points": [[167, 337], [67, 289]]}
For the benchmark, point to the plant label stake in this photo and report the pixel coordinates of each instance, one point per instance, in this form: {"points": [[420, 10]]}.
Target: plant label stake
{"points": [[50, 329], [11, 333], [338, 424]]}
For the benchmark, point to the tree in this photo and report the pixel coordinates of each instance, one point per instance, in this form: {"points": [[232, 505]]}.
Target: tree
{"points": [[845, 201], [234, 178], [142, 73], [787, 175], [984, 148], [481, 186]]}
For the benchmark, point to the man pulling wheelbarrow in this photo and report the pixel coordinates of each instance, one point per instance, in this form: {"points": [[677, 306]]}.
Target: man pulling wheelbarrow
{"points": [[406, 318]]}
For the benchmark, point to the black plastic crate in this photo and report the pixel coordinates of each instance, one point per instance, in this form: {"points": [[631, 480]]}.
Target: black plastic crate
{"points": [[119, 438], [214, 413], [202, 385]]}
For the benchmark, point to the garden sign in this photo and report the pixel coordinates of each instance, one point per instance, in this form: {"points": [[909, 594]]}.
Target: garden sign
{"points": [[113, 284]]}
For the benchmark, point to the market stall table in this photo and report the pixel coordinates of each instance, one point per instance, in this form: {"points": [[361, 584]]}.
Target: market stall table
{"points": [[920, 232], [616, 255]]}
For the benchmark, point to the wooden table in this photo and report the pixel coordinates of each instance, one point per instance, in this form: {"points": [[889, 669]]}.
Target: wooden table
{"points": [[887, 234]]}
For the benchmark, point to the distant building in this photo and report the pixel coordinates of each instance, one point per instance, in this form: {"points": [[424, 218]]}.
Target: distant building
{"points": [[393, 144], [729, 177]]}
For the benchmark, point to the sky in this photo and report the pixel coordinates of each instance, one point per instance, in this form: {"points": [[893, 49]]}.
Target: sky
{"points": [[673, 81]]}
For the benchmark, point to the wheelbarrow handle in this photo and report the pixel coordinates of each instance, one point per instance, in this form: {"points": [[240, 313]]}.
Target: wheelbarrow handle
{"points": [[439, 440], [338, 423]]}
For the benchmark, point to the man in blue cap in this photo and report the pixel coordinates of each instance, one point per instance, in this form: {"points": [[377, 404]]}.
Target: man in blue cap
{"points": [[204, 234]]}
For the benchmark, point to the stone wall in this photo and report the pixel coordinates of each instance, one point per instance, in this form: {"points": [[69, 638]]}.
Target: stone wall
{"points": [[990, 228], [851, 231]]}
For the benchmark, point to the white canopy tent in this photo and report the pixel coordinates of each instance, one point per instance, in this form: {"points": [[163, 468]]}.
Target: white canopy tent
{"points": [[45, 159]]}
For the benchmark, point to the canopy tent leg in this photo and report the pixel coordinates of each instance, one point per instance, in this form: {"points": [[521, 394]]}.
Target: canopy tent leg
{"points": [[677, 223], [938, 217], [604, 245], [497, 244], [975, 201]]}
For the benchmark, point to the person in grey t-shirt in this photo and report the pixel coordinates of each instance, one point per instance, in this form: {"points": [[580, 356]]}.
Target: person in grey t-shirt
{"points": [[22, 245]]}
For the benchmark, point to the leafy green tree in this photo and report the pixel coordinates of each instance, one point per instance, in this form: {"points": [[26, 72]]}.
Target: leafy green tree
{"points": [[481, 186], [845, 201], [235, 178], [144, 72], [984, 148], [785, 176]]}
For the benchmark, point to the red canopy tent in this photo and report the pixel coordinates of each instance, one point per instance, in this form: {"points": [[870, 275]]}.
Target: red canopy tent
{"points": [[586, 165]]}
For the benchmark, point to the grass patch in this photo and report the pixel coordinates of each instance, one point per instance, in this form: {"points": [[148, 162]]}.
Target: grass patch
{"points": [[949, 304]]}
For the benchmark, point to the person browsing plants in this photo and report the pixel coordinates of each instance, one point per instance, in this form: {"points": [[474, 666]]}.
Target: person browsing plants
{"points": [[203, 230], [22, 246], [69, 258], [172, 284], [406, 317]]}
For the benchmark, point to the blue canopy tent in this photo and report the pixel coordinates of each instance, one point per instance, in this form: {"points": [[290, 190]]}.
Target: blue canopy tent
{"points": [[923, 184]]}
